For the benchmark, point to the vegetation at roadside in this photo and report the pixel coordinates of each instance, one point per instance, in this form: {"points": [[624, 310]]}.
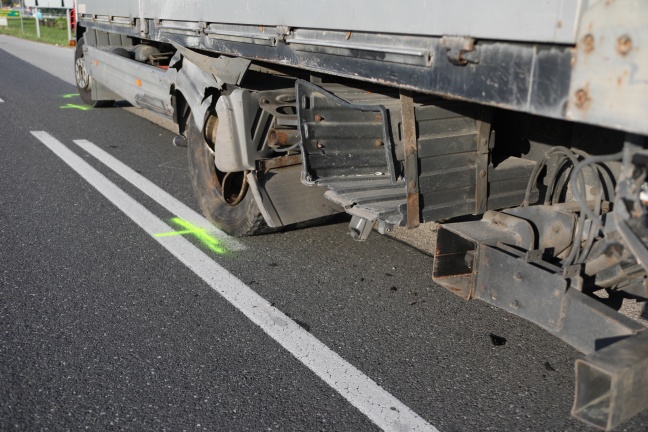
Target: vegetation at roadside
{"points": [[53, 31]]}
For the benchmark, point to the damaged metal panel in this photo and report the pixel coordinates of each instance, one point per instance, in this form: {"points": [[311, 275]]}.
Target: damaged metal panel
{"points": [[609, 84], [282, 185], [227, 70], [140, 84], [192, 82], [241, 131]]}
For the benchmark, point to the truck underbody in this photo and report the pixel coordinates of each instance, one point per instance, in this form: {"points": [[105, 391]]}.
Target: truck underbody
{"points": [[528, 145]]}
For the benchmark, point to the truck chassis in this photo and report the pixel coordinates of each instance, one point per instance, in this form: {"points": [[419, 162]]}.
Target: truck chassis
{"points": [[520, 126]]}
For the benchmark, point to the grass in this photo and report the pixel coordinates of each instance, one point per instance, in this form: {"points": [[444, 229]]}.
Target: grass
{"points": [[56, 35]]}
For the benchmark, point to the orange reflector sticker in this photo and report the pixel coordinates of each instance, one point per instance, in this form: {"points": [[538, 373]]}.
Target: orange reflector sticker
{"points": [[138, 82]]}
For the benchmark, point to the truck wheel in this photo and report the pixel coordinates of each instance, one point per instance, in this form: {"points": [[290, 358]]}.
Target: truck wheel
{"points": [[83, 79], [224, 198]]}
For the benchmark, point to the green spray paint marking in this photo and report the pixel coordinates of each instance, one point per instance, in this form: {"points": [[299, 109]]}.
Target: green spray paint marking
{"points": [[79, 107], [69, 95], [209, 241]]}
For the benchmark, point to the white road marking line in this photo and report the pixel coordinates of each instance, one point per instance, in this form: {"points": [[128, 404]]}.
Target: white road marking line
{"points": [[165, 199], [362, 392]]}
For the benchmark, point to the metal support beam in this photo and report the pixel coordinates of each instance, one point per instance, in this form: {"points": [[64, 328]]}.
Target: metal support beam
{"points": [[611, 383], [411, 159], [483, 151]]}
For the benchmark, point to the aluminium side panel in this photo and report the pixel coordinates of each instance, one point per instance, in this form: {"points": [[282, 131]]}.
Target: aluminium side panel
{"points": [[546, 21]]}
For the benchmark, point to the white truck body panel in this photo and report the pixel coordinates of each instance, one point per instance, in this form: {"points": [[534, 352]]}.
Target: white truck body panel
{"points": [[547, 21]]}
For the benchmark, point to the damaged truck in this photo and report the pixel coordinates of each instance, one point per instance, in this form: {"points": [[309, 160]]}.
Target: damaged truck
{"points": [[519, 126]]}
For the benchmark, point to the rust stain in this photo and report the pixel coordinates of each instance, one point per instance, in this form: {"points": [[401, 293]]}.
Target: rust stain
{"points": [[624, 45], [582, 98], [588, 43], [348, 36], [559, 24], [280, 162], [413, 210]]}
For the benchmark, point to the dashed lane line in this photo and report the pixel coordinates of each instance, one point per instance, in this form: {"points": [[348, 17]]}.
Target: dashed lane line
{"points": [[362, 392]]}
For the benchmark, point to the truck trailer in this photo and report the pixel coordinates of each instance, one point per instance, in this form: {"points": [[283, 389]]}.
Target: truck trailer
{"points": [[520, 127]]}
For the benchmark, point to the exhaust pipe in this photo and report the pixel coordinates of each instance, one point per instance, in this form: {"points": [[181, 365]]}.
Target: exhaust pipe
{"points": [[612, 383]]}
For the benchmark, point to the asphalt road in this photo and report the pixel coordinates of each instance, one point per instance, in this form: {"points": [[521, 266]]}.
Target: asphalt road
{"points": [[107, 327]]}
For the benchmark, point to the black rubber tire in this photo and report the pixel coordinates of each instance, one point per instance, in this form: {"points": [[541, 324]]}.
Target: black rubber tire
{"points": [[83, 79], [242, 219]]}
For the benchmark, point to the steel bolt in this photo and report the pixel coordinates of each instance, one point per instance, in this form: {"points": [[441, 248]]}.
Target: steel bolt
{"points": [[483, 141], [320, 145], [556, 227], [624, 45], [482, 173], [378, 143], [412, 184], [588, 43], [410, 151], [318, 118]]}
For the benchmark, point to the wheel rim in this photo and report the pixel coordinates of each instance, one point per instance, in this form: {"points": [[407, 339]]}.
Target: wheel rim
{"points": [[81, 74], [232, 185]]}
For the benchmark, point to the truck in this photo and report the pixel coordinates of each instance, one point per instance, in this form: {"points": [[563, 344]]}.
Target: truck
{"points": [[520, 127]]}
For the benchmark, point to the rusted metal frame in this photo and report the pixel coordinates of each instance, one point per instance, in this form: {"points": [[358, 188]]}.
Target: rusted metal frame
{"points": [[532, 291], [482, 158], [611, 383], [266, 165], [411, 159]]}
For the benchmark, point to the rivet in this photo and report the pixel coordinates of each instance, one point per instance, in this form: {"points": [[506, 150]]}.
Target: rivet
{"points": [[482, 173], [318, 118]]}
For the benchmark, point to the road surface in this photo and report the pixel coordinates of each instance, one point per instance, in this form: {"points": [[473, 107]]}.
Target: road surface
{"points": [[112, 320]]}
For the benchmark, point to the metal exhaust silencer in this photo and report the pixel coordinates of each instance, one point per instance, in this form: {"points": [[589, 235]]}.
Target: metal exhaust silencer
{"points": [[612, 383]]}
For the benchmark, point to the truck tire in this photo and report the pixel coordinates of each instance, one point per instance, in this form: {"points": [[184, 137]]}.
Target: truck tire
{"points": [[83, 79], [238, 214]]}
